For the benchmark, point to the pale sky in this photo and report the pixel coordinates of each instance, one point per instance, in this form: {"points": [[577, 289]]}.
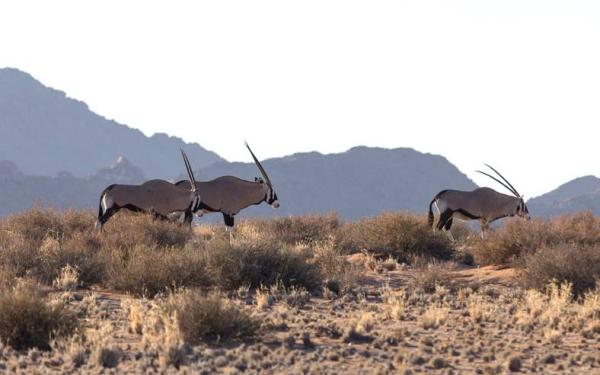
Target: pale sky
{"points": [[512, 83]]}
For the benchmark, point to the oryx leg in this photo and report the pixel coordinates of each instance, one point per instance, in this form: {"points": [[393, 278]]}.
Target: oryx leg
{"points": [[445, 223], [447, 227], [485, 226], [229, 222], [189, 216]]}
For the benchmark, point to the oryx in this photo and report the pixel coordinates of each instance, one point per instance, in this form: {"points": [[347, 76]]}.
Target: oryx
{"points": [[158, 197], [229, 195], [483, 204]]}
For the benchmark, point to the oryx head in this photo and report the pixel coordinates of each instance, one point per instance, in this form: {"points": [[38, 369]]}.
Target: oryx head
{"points": [[195, 206], [271, 195], [520, 208]]}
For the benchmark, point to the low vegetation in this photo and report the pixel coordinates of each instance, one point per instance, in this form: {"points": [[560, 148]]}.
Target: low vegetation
{"points": [[30, 319], [299, 294], [399, 235]]}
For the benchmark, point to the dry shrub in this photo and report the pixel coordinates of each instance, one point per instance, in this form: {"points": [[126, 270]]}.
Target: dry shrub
{"points": [[400, 235], [481, 308], [211, 316], [394, 300], [44, 260], [259, 263], [298, 229], [514, 238], [581, 228], [520, 238], [578, 265], [126, 230], [68, 279], [433, 317], [160, 332], [429, 275], [39, 243], [8, 277], [550, 308], [37, 224], [147, 270], [28, 319], [105, 352], [339, 275]]}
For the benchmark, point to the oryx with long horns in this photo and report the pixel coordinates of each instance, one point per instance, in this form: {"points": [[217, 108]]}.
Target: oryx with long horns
{"points": [[157, 197], [483, 204], [229, 195]]}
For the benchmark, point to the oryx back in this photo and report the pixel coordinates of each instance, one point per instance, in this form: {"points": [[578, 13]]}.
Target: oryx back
{"points": [[158, 196], [228, 194], [480, 203]]}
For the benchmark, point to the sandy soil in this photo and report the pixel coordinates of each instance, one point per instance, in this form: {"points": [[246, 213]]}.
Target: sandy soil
{"points": [[479, 321]]}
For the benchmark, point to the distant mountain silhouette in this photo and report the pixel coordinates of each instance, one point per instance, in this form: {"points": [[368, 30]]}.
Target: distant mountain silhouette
{"points": [[360, 182], [45, 132], [19, 191], [580, 194], [55, 152]]}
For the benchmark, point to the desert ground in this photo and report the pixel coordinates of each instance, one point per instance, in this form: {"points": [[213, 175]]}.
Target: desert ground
{"points": [[298, 295]]}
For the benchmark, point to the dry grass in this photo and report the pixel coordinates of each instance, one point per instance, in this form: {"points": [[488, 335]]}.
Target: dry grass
{"points": [[68, 278], [576, 264], [149, 270], [143, 256], [258, 263], [255, 305], [518, 238], [399, 235], [294, 230], [433, 317], [29, 319], [431, 274], [201, 316]]}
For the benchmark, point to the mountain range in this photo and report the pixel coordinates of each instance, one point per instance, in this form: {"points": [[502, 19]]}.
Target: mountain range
{"points": [[580, 194], [45, 132], [55, 151]]}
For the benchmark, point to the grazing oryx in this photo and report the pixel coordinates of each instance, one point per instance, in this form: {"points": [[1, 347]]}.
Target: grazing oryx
{"points": [[483, 204], [157, 197], [229, 195]]}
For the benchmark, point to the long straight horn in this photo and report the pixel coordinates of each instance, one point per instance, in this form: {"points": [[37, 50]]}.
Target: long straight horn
{"points": [[189, 170], [505, 180], [260, 167], [498, 181]]}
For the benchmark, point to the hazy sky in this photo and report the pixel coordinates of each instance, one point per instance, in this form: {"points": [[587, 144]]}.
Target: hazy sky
{"points": [[512, 83]]}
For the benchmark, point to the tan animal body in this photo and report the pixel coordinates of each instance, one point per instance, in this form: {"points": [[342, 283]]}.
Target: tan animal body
{"points": [[157, 197]]}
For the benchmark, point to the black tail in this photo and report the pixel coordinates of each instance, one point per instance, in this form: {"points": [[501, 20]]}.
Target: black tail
{"points": [[99, 223], [100, 208], [430, 215]]}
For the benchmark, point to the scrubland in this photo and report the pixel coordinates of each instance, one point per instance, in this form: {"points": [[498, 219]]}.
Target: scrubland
{"points": [[311, 294]]}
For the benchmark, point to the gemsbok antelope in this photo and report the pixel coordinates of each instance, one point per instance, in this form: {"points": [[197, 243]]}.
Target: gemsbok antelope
{"points": [[229, 195], [483, 204], [157, 197]]}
